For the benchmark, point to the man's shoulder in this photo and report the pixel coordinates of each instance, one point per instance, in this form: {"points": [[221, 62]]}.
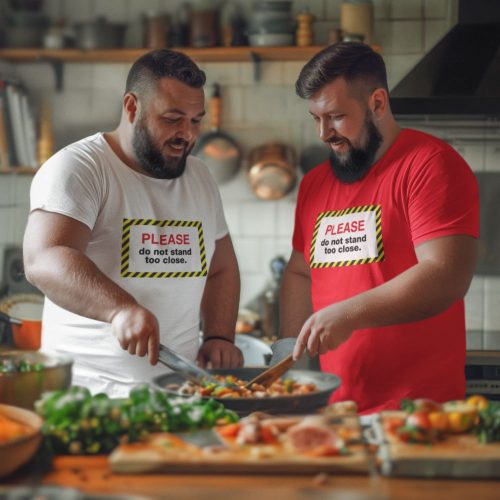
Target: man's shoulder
{"points": [[319, 174], [92, 145], [197, 169], [85, 152], [420, 141]]}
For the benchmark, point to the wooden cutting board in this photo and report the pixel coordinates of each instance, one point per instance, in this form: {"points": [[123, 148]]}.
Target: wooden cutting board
{"points": [[169, 453], [458, 455]]}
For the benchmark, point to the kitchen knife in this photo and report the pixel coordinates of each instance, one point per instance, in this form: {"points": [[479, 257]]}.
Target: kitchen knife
{"points": [[185, 367], [202, 438]]}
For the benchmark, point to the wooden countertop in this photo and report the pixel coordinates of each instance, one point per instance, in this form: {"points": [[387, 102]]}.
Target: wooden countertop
{"points": [[92, 475]]}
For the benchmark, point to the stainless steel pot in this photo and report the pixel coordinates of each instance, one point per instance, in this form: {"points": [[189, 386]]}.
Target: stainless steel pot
{"points": [[24, 388], [99, 34], [271, 170]]}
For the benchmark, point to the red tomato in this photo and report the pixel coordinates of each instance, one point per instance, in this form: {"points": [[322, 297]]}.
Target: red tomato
{"points": [[419, 419], [267, 435], [229, 430], [426, 405]]}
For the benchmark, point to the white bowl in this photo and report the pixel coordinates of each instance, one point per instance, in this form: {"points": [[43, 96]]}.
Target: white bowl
{"points": [[17, 452], [271, 39]]}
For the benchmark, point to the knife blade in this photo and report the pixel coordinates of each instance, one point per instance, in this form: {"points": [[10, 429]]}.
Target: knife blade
{"points": [[202, 438], [185, 367]]}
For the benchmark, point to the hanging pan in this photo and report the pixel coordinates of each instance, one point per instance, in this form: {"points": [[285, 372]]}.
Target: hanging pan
{"points": [[218, 150]]}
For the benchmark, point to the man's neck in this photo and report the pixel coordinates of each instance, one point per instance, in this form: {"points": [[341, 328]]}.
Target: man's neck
{"points": [[122, 149], [390, 134]]}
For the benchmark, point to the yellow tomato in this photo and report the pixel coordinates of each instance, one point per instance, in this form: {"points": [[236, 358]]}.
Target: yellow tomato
{"points": [[460, 421], [479, 402], [439, 421]]}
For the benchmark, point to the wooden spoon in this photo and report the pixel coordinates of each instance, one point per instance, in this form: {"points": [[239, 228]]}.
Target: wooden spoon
{"points": [[267, 377]]}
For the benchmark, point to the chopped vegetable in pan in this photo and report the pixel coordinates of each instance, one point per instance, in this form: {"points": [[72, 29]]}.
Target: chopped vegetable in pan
{"points": [[231, 387]]}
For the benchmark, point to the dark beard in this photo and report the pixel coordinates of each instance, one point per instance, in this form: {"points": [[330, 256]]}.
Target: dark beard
{"points": [[151, 158], [354, 165]]}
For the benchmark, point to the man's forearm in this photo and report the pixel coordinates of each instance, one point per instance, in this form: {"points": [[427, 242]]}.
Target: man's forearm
{"points": [[72, 281], [295, 303], [417, 294], [219, 306]]}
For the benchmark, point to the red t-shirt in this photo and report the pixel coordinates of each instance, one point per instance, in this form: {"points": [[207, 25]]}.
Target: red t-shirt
{"points": [[357, 236]]}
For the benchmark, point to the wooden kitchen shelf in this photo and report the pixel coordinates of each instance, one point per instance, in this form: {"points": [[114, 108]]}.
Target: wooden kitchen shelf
{"points": [[18, 170], [215, 54]]}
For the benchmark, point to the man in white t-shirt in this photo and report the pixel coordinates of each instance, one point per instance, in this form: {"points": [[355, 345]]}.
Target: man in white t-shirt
{"points": [[127, 239]]}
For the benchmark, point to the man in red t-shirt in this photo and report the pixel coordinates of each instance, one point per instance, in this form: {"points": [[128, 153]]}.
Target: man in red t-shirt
{"points": [[384, 245]]}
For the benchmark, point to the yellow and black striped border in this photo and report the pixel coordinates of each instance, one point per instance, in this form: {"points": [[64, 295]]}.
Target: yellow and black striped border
{"points": [[336, 213], [128, 223]]}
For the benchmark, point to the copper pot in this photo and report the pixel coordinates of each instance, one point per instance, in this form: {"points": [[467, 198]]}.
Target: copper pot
{"points": [[271, 170]]}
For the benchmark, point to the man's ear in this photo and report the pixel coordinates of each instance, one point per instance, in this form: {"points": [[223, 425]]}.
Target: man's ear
{"points": [[378, 102], [131, 106]]}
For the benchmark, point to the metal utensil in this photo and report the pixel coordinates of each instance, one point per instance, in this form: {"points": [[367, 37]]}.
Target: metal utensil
{"points": [[185, 367], [202, 438], [267, 377]]}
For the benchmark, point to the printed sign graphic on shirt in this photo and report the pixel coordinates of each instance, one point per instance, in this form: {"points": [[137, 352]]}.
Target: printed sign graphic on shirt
{"points": [[347, 237], [162, 249]]}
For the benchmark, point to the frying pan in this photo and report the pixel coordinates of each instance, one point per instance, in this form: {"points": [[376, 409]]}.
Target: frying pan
{"points": [[290, 405], [218, 150]]}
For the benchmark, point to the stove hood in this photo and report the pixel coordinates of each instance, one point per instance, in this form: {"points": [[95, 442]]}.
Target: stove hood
{"points": [[460, 75]]}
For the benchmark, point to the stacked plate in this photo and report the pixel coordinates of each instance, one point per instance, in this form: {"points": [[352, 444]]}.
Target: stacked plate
{"points": [[271, 24]]}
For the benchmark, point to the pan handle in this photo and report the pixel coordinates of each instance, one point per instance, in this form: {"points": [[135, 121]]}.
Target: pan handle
{"points": [[215, 108], [5, 318], [6, 337]]}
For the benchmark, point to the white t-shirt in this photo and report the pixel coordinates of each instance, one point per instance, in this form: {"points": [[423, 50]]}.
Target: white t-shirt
{"points": [[155, 238]]}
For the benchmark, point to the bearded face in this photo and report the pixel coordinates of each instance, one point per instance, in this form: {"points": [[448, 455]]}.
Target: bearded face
{"points": [[154, 158], [353, 164]]}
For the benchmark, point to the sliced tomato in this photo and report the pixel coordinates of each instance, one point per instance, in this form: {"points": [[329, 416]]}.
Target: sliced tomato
{"points": [[229, 430], [419, 419], [266, 434]]}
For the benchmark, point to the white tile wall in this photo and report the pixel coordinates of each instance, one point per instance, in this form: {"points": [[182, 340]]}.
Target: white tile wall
{"points": [[254, 113], [434, 30], [409, 9], [474, 305]]}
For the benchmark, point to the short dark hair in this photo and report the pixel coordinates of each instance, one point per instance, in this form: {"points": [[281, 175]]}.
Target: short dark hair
{"points": [[163, 63], [353, 61]]}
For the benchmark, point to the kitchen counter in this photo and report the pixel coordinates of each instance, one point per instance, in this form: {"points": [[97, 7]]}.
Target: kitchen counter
{"points": [[92, 475]]}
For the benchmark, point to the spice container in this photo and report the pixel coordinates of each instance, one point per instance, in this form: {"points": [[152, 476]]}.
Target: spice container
{"points": [[156, 32], [304, 36], [356, 17]]}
